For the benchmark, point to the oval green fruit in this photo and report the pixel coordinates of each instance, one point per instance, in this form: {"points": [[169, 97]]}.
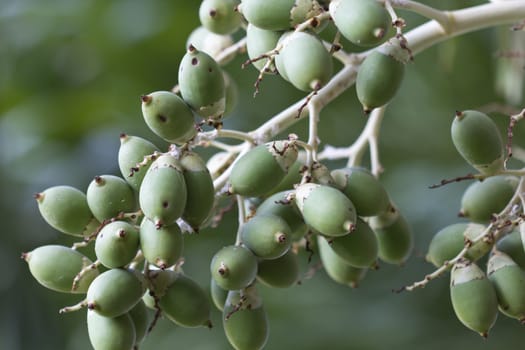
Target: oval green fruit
{"points": [[231, 94], [218, 295], [267, 236], [512, 245], [292, 178], [133, 159], [163, 246], [282, 272], [117, 244], [58, 268], [233, 267], [209, 42], [478, 140], [220, 16], [140, 317], [110, 333], [260, 42], [108, 196]]}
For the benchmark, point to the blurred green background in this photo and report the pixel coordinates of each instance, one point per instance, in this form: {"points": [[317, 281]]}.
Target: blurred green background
{"points": [[71, 73]]}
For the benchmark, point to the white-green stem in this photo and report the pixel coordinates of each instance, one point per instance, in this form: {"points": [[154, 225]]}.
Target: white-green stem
{"points": [[242, 217], [424, 10]]}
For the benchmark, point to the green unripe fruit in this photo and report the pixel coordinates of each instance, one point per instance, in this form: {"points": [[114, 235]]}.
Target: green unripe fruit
{"points": [[212, 44], [168, 116], [65, 208], [218, 295], [200, 191], [114, 292], [261, 41], [363, 22], [292, 178], [326, 209], [379, 78], [163, 246], [163, 191], [140, 317], [233, 267], [306, 62], [279, 14], [450, 240], [58, 268], [132, 151], [185, 303], [394, 236], [115, 333], [512, 245], [267, 236], [508, 280], [262, 168], [117, 244], [279, 205], [479, 141], [201, 84], [232, 94], [220, 16], [159, 281], [473, 297], [108, 196], [244, 320], [321, 174], [359, 248], [336, 268], [484, 199], [364, 190], [282, 272]]}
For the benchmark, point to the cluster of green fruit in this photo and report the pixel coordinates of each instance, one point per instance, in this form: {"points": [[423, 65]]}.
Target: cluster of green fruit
{"points": [[492, 227]]}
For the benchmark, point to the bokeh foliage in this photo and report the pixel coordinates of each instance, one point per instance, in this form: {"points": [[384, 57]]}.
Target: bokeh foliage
{"points": [[71, 73]]}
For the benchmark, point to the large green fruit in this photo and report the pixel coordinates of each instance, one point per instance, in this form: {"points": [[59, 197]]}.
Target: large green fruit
{"points": [[261, 41], [267, 236], [108, 196], [56, 267], [163, 246], [282, 272], [220, 16], [233, 267], [479, 141], [132, 151], [110, 333], [484, 199], [326, 209], [473, 297], [117, 244]]}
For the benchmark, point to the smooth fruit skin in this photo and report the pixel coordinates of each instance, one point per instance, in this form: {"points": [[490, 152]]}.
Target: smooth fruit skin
{"points": [[363, 22], [65, 209], [512, 245], [168, 116], [378, 79], [364, 190], [231, 94], [267, 236], [105, 333], [212, 44], [201, 84], [486, 198], [326, 209], [220, 16], [261, 41], [117, 244], [292, 178], [233, 267], [478, 141], [278, 14], [132, 151], [163, 246], [282, 272], [55, 267], [108, 196], [338, 269], [473, 297], [246, 328], [114, 292], [508, 280], [140, 316], [218, 295], [262, 168]]}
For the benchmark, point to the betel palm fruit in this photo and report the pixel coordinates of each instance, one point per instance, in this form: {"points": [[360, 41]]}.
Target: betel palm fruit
{"points": [[58, 268], [508, 280], [262, 168], [484, 199], [380, 75], [140, 317], [326, 209], [117, 244], [478, 140], [201, 84], [279, 14], [278, 204], [292, 178], [304, 61], [364, 190], [338, 269], [110, 333], [282, 272], [473, 297], [267, 236], [218, 295], [185, 303], [244, 320], [168, 116], [220, 16], [114, 292], [320, 174], [163, 193], [394, 236], [233, 267], [158, 283], [199, 187], [359, 248], [259, 42], [163, 246], [65, 208], [450, 240], [108, 196], [131, 152], [212, 44], [231, 94], [512, 245]]}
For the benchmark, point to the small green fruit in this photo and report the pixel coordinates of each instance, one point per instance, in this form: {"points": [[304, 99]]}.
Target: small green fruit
{"points": [[117, 244], [132, 151], [220, 16], [110, 333], [282, 272], [162, 246], [140, 317], [233, 267], [267, 236], [261, 41], [212, 44], [512, 245], [108, 196], [218, 295]]}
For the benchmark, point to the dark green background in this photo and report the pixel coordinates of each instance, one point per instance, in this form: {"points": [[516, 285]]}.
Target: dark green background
{"points": [[71, 73]]}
